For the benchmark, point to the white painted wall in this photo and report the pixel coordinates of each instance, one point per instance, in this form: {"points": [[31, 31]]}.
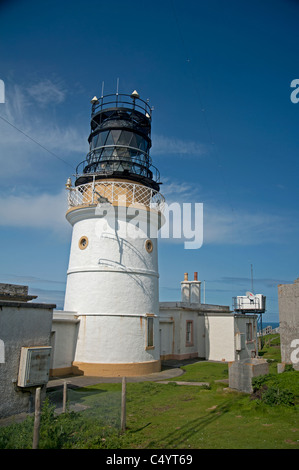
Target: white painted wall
{"points": [[214, 332], [20, 326], [250, 347], [192, 348], [214, 337], [201, 336], [112, 285], [108, 339], [166, 337], [63, 339], [219, 336], [110, 268]]}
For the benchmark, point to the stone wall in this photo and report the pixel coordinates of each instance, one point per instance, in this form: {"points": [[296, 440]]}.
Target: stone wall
{"points": [[288, 301], [241, 373], [22, 324]]}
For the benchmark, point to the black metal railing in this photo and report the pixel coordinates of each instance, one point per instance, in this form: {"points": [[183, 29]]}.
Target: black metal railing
{"points": [[132, 165], [116, 151], [122, 100]]}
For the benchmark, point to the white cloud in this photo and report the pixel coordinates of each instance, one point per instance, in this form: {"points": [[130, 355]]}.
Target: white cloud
{"points": [[26, 126], [44, 211], [68, 139], [223, 225], [46, 92], [176, 191], [163, 145]]}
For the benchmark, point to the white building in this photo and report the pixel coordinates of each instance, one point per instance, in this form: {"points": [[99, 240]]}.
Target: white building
{"points": [[250, 303], [191, 329], [187, 329]]}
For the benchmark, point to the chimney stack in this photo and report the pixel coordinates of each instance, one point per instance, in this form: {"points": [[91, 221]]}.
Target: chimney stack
{"points": [[190, 290]]}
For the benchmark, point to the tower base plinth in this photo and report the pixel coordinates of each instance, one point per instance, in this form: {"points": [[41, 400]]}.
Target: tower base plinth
{"points": [[131, 369]]}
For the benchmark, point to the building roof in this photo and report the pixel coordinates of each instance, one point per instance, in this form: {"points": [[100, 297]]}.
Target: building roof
{"points": [[11, 303], [15, 295]]}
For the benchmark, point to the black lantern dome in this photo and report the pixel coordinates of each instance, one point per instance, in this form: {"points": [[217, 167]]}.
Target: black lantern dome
{"points": [[119, 142]]}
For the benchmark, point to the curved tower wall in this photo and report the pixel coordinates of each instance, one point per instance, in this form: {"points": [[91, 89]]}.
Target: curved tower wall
{"points": [[112, 284]]}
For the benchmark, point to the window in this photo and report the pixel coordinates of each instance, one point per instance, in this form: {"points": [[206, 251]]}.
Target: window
{"points": [[189, 333], [83, 243], [150, 333], [149, 246], [249, 332], [2, 352]]}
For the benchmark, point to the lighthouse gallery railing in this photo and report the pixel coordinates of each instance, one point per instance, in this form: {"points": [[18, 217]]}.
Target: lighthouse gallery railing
{"points": [[99, 192]]}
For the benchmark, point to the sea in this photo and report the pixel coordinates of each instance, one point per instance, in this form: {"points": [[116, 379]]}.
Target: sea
{"points": [[273, 324]]}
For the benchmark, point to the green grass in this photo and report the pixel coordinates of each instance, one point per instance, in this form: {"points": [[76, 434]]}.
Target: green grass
{"points": [[271, 351], [186, 416], [172, 416], [203, 372]]}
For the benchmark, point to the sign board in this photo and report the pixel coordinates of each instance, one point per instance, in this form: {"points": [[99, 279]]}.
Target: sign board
{"points": [[34, 366]]}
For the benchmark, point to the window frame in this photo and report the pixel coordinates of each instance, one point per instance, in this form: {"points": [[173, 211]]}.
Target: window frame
{"points": [[149, 332], [189, 333], [249, 332]]}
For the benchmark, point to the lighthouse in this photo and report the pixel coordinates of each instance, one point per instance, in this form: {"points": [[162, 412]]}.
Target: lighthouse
{"points": [[115, 209]]}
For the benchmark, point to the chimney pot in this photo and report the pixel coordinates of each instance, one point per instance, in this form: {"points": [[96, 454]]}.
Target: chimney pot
{"points": [[195, 277], [186, 277]]}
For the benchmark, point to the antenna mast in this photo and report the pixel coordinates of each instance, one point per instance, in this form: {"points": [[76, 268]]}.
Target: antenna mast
{"points": [[252, 279]]}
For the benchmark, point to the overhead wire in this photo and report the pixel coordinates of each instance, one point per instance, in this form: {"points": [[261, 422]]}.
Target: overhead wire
{"points": [[36, 142]]}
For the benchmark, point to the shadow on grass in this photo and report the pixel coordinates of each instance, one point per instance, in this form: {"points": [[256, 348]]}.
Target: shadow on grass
{"points": [[175, 363], [141, 429], [185, 432], [74, 394]]}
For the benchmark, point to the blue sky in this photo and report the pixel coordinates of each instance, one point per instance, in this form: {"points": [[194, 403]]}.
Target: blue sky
{"points": [[225, 132]]}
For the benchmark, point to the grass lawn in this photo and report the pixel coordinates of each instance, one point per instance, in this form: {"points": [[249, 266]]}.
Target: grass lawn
{"points": [[172, 416], [184, 416], [271, 351]]}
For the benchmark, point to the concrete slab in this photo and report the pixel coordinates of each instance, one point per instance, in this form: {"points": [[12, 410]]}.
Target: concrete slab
{"points": [[84, 381], [196, 384], [242, 372]]}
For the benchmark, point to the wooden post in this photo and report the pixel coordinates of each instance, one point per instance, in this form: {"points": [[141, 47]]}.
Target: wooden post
{"points": [[64, 397], [123, 405], [36, 419]]}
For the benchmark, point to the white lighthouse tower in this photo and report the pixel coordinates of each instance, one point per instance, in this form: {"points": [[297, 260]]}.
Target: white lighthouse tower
{"points": [[115, 209]]}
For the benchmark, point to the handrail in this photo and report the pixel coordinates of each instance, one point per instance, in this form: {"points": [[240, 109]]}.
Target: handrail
{"points": [[120, 146], [151, 171], [97, 192], [118, 101]]}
